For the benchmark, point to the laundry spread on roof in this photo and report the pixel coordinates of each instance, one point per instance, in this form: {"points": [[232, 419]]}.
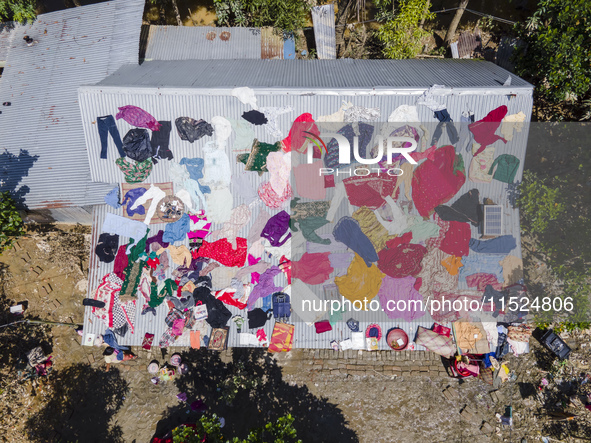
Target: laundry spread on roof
{"points": [[248, 221]]}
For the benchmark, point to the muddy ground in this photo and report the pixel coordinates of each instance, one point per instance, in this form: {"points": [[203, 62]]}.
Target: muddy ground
{"points": [[81, 401]]}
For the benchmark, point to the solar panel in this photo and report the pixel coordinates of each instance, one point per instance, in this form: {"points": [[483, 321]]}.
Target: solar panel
{"points": [[493, 220]]}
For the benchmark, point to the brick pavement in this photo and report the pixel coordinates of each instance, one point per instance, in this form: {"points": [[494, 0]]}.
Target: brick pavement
{"points": [[303, 363]]}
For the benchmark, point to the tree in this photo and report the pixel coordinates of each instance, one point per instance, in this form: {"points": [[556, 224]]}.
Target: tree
{"points": [[18, 10], [402, 35], [161, 4], [451, 31], [11, 223], [556, 56], [209, 428], [287, 15]]}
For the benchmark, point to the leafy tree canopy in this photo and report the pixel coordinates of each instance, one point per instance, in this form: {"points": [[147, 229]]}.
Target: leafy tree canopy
{"points": [[556, 56], [209, 429], [401, 35], [18, 10], [287, 15]]}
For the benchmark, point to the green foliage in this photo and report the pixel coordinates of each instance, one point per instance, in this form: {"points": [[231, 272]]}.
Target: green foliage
{"points": [[557, 54], [401, 36], [286, 15], [538, 203], [11, 223], [209, 429], [18, 10], [239, 381]]}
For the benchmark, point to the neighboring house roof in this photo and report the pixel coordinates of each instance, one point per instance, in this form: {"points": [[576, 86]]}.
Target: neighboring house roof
{"points": [[43, 158], [209, 43], [316, 74], [6, 35]]}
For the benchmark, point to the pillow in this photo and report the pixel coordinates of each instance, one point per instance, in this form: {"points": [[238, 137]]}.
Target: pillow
{"points": [[439, 344]]}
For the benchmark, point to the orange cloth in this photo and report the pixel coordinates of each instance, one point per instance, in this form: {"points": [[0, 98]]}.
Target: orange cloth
{"points": [[282, 338], [452, 264], [195, 339]]}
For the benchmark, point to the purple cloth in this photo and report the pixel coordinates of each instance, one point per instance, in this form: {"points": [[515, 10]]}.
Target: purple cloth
{"points": [[275, 228], [349, 232], [265, 287], [400, 290], [341, 261], [138, 117], [156, 239], [130, 197]]}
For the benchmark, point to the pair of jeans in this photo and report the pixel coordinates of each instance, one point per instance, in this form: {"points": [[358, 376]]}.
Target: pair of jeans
{"points": [[106, 125], [445, 120]]}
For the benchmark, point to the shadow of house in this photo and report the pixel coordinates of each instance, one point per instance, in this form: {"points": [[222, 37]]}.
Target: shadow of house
{"points": [[316, 420], [12, 170], [83, 404]]}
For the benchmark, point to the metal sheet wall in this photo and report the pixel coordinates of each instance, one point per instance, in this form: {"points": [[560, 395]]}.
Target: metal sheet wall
{"points": [[166, 105], [324, 31]]}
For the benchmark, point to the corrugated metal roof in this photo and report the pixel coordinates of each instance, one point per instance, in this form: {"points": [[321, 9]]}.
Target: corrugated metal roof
{"points": [[6, 36], [324, 31], [43, 145], [315, 74], [171, 104], [202, 43], [271, 44]]}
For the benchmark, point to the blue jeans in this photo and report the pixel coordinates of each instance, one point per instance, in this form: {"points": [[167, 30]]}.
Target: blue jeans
{"points": [[106, 125]]}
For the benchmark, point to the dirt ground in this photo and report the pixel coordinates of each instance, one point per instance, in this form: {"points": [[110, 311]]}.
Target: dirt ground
{"points": [[81, 401]]}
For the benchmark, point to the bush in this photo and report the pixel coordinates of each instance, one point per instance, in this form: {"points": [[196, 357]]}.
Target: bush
{"points": [[402, 36], [11, 223]]}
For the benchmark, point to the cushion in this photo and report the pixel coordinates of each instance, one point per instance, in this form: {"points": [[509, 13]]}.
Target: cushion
{"points": [[434, 342]]}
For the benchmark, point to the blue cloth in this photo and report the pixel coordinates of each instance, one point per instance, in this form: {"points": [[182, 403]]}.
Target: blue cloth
{"points": [[106, 125], [445, 120], [177, 231], [486, 359], [195, 169], [349, 232], [500, 245], [474, 263], [130, 197], [110, 339], [112, 198], [267, 303]]}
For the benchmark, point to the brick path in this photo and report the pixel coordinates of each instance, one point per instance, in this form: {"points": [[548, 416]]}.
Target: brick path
{"points": [[307, 362]]}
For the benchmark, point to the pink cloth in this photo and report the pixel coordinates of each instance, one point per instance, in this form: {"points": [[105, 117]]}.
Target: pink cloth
{"points": [[484, 130], [309, 182], [296, 140], [434, 182], [254, 277], [312, 268], [457, 239], [399, 291], [370, 190], [205, 226], [400, 258], [138, 117], [271, 198], [481, 280], [429, 153], [177, 327]]}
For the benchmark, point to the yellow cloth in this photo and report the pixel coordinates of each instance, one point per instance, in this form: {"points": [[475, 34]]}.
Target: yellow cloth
{"points": [[179, 254], [511, 122], [452, 264], [466, 335], [370, 226], [360, 281]]}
